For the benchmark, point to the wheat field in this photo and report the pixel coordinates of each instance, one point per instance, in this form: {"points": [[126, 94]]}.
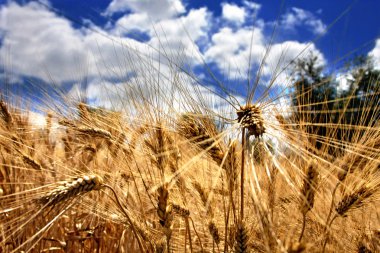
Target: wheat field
{"points": [[166, 170]]}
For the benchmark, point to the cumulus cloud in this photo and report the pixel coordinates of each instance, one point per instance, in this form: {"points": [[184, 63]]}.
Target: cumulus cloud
{"points": [[234, 49], [51, 49], [134, 21], [233, 13], [375, 54], [35, 45], [297, 17], [285, 53], [252, 5], [230, 50], [344, 81], [177, 38], [155, 9]]}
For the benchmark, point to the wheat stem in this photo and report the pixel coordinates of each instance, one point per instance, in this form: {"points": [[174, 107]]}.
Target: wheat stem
{"points": [[126, 215], [242, 176], [199, 238], [303, 227]]}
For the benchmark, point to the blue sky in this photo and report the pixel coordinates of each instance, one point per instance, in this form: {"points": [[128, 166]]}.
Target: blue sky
{"points": [[358, 26], [67, 42]]}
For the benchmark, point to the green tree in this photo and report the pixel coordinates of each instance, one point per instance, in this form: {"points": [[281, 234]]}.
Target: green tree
{"points": [[358, 106], [314, 94], [325, 114]]}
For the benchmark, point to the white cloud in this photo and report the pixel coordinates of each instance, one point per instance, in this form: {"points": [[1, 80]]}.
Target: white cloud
{"points": [[230, 50], [297, 17], [252, 5], [50, 48], [32, 46], [134, 21], [233, 13], [155, 9], [175, 37], [375, 54], [283, 54], [344, 81], [178, 37], [37, 120]]}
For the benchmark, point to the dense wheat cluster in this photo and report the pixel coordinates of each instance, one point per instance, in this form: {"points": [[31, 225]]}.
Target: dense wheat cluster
{"points": [[150, 178]]}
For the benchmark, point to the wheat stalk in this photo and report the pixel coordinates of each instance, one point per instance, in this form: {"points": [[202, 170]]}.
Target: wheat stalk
{"points": [[249, 117]]}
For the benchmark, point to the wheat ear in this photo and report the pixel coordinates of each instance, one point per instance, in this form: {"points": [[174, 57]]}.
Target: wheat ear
{"points": [[251, 117], [308, 194], [164, 212], [71, 189], [349, 202], [213, 229], [181, 211], [241, 244], [96, 132], [202, 131], [7, 116], [353, 200], [31, 162], [296, 247], [184, 213], [83, 112], [164, 209]]}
